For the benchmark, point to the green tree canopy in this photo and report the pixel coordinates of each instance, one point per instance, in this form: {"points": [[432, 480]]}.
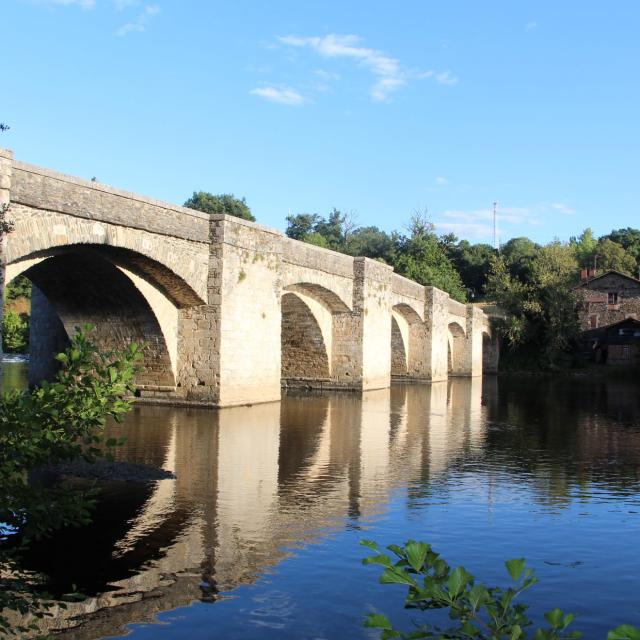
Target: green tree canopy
{"points": [[585, 246], [223, 203], [611, 255], [628, 238], [520, 253], [422, 257]]}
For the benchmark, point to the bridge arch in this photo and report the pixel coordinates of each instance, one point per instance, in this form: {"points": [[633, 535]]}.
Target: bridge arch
{"points": [[307, 334], [490, 351], [79, 284], [177, 267], [407, 342], [456, 345]]}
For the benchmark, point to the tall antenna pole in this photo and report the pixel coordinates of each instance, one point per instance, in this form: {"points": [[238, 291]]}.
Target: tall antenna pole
{"points": [[495, 239]]}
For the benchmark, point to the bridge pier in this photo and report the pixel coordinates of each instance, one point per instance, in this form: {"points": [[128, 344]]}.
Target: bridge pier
{"points": [[47, 338], [436, 328]]}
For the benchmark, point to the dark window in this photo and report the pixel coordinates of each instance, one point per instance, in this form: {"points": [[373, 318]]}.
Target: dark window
{"points": [[625, 352], [593, 322], [613, 297]]}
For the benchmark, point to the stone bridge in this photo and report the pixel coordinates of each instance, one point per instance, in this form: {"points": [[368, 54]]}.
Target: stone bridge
{"points": [[230, 311]]}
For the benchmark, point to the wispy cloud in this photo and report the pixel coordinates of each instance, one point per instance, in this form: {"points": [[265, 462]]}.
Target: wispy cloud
{"points": [[446, 77], [389, 74], [562, 208], [139, 25], [441, 180], [510, 215], [280, 95], [478, 223], [530, 26]]}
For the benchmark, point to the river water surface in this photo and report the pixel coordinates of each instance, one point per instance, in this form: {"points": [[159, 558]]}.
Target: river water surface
{"points": [[258, 534]]}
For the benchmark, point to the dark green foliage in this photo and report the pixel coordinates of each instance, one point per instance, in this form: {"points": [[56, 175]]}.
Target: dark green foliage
{"points": [[476, 611], [422, 257], [54, 423], [19, 287], [223, 203], [519, 254], [611, 255], [628, 239], [541, 314], [473, 263], [15, 332], [371, 242], [301, 225], [332, 232]]}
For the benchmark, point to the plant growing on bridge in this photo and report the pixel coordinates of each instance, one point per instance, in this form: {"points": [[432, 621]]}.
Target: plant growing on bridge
{"points": [[55, 422], [476, 612]]}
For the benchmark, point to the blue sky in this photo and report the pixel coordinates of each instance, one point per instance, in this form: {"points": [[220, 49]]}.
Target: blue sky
{"points": [[376, 108]]}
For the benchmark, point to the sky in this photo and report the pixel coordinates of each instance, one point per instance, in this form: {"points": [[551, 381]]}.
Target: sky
{"points": [[379, 109]]}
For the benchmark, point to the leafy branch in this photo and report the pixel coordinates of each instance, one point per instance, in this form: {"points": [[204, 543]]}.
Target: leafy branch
{"points": [[477, 612]]}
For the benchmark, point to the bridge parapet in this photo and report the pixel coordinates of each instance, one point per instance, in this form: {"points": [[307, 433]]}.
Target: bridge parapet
{"points": [[52, 191]]}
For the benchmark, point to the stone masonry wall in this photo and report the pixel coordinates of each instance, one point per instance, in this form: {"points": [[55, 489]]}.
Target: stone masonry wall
{"points": [[304, 353], [250, 321], [593, 300]]}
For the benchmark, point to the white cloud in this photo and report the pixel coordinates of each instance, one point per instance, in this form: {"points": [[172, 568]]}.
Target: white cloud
{"points": [[446, 77], [562, 208], [475, 231], [140, 24], [387, 69], [441, 181], [530, 26], [508, 215], [389, 73], [283, 95]]}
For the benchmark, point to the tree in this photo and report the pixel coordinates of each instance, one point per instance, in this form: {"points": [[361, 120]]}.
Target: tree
{"points": [[473, 262], [520, 253], [421, 257], [611, 255], [54, 423], [585, 246], [371, 242], [331, 233], [542, 320], [223, 203], [15, 332], [628, 238], [299, 226]]}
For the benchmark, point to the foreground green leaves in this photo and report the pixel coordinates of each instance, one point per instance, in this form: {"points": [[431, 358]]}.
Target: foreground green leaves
{"points": [[57, 422], [476, 611]]}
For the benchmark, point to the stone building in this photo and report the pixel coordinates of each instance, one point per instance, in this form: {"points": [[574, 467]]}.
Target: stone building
{"points": [[614, 344], [607, 299]]}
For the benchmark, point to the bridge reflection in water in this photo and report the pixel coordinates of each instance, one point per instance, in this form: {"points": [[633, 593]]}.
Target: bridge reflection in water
{"points": [[251, 482]]}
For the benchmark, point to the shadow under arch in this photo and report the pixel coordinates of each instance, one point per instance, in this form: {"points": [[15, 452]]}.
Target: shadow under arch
{"points": [[161, 277], [307, 334], [405, 338], [84, 287], [455, 342]]}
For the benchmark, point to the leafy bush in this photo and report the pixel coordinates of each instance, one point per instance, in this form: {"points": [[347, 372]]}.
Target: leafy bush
{"points": [[477, 612], [54, 423], [19, 287], [15, 332]]}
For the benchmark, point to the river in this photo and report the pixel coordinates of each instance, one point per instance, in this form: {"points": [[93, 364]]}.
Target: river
{"points": [[258, 534]]}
